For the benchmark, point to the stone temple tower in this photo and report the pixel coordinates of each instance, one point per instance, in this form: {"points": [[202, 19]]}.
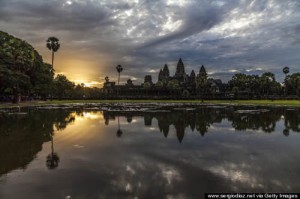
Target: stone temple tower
{"points": [[180, 72], [202, 71]]}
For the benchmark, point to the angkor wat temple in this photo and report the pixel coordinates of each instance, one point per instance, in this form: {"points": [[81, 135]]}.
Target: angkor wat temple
{"points": [[180, 85]]}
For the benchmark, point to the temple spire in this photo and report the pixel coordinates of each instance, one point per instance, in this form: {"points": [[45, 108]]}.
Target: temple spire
{"points": [[160, 75], [202, 69], [192, 76], [180, 71], [166, 71]]}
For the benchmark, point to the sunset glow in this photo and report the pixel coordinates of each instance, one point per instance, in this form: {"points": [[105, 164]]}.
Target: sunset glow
{"points": [[87, 83], [149, 99], [96, 36]]}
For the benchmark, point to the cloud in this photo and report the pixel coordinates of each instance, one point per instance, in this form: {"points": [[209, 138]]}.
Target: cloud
{"points": [[143, 35]]}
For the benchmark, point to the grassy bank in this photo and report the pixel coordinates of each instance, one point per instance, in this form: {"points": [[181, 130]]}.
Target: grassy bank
{"points": [[232, 102]]}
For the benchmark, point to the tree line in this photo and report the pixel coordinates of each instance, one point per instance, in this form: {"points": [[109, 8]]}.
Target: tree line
{"points": [[24, 74], [240, 86], [265, 85]]}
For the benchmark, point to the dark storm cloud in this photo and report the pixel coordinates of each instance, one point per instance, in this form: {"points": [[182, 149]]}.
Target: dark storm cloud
{"points": [[225, 36], [55, 15], [200, 16]]}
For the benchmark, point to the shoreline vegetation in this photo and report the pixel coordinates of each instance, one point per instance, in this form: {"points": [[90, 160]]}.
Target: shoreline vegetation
{"points": [[24, 76], [294, 103]]}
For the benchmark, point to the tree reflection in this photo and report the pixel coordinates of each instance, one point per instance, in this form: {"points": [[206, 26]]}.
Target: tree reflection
{"points": [[129, 118], [119, 131], [255, 120], [286, 132], [62, 121], [107, 117], [292, 119], [201, 119], [52, 159], [22, 135]]}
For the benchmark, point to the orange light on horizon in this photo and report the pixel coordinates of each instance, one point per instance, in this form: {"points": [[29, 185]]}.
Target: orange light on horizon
{"points": [[81, 71], [87, 83]]}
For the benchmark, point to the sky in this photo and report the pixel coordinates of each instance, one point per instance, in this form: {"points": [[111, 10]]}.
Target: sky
{"points": [[227, 37]]}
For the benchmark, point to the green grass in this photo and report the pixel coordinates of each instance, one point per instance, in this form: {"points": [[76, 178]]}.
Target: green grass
{"points": [[231, 102]]}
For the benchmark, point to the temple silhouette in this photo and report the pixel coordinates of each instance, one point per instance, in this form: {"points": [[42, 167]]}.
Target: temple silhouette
{"points": [[180, 85]]}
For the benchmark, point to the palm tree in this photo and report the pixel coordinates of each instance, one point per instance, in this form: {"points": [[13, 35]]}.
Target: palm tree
{"points": [[106, 79], [53, 45], [119, 69], [286, 70]]}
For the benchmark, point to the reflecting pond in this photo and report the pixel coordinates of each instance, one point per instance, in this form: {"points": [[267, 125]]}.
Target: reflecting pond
{"points": [[168, 152]]}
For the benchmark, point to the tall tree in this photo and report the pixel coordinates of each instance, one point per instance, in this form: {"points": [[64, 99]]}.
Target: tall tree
{"points": [[42, 80], [267, 82], [292, 83], [17, 59], [53, 45], [119, 69], [286, 70], [62, 86], [106, 79]]}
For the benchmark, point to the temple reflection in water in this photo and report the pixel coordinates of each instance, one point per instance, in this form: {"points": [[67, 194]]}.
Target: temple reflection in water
{"points": [[200, 120], [224, 148]]}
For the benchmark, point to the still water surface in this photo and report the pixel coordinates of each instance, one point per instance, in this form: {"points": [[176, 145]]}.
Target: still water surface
{"points": [[167, 153]]}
